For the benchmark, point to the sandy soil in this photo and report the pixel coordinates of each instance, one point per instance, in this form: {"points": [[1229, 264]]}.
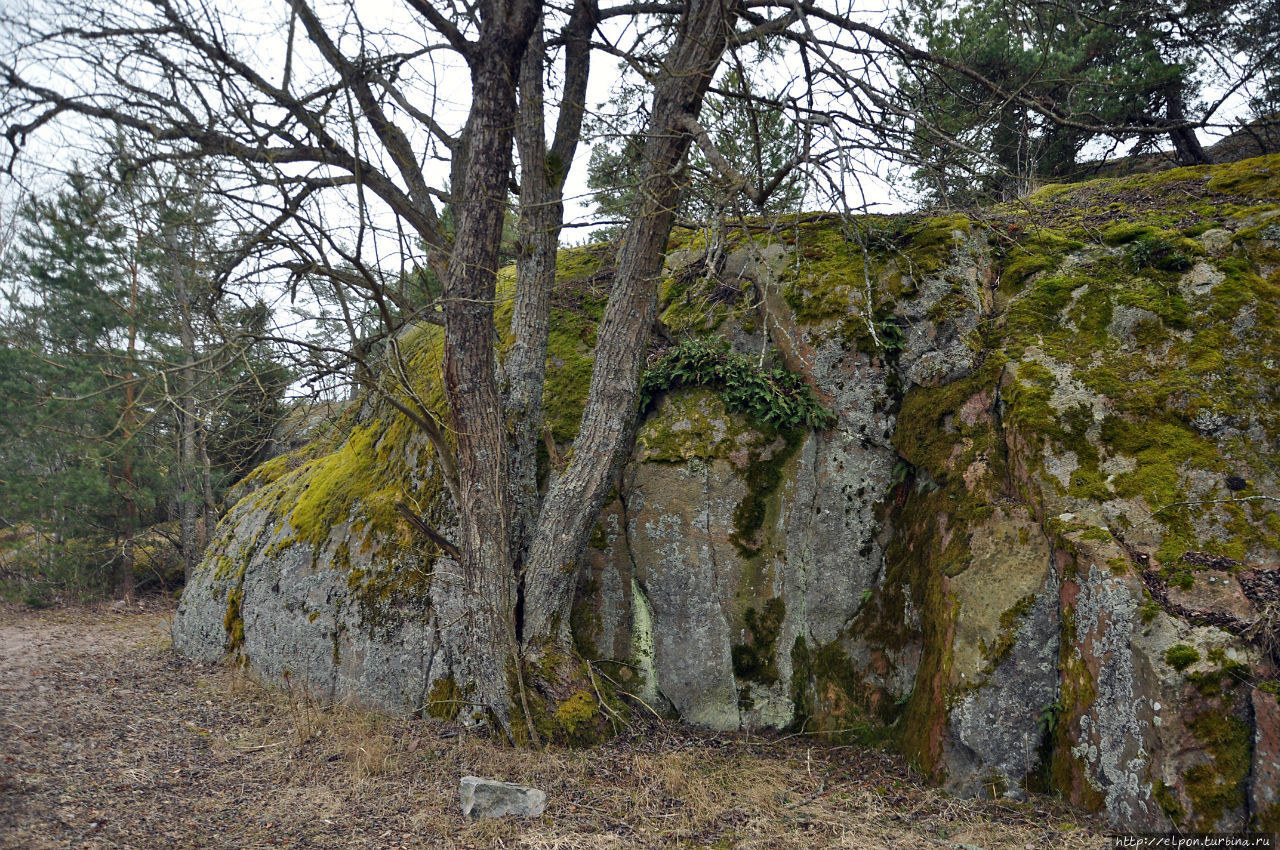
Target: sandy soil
{"points": [[108, 740]]}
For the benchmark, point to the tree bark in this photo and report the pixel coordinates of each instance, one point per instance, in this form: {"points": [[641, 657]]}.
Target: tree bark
{"points": [[1185, 142], [608, 422], [129, 427], [488, 577], [542, 176], [189, 503]]}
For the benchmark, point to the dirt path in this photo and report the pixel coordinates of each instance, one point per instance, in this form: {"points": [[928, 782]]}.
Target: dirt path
{"points": [[107, 740]]}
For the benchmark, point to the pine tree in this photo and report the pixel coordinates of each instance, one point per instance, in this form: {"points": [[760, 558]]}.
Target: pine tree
{"points": [[1132, 67], [71, 394]]}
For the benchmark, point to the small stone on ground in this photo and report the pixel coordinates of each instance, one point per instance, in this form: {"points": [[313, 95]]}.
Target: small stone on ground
{"points": [[488, 798]]}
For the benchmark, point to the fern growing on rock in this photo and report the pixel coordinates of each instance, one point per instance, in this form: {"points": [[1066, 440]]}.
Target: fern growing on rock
{"points": [[773, 397]]}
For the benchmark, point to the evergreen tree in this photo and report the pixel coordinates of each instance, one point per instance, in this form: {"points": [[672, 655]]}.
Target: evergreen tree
{"points": [[69, 424], [129, 394], [1126, 71]]}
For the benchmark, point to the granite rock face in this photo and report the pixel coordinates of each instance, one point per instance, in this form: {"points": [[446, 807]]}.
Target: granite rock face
{"points": [[1039, 550]]}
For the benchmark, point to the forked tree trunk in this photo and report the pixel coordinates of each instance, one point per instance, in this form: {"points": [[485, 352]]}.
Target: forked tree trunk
{"points": [[542, 176], [575, 498], [516, 609]]}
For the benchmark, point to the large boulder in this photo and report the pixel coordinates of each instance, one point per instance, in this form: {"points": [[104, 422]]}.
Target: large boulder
{"points": [[1039, 550]]}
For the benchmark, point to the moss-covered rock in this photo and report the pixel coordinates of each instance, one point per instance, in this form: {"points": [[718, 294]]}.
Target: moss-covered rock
{"points": [[1029, 548]]}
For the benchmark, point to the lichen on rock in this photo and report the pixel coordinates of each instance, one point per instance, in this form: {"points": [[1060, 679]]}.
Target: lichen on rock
{"points": [[1028, 548]]}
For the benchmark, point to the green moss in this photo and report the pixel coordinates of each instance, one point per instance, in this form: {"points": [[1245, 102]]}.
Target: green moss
{"points": [[445, 700], [1253, 178], [846, 709], [1181, 656], [1168, 802], [1126, 232], [1222, 680], [1039, 251], [828, 280], [334, 483], [694, 425], [763, 475], [930, 243], [695, 301], [1037, 311], [1160, 296], [274, 469], [1028, 397], [1268, 820], [1219, 786], [755, 660], [577, 263], [1010, 619], [232, 621], [569, 364], [1161, 449], [929, 431], [578, 716]]}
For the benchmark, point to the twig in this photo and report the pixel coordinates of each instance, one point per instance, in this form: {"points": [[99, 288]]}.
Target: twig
{"points": [[260, 747], [1190, 502]]}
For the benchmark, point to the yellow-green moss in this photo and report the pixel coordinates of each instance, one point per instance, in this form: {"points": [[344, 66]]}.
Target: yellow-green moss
{"points": [[1253, 178], [578, 713], [1221, 681], [694, 424], [1010, 620], [273, 469], [1168, 801], [828, 278], [1041, 250], [232, 622], [445, 700], [1181, 656]]}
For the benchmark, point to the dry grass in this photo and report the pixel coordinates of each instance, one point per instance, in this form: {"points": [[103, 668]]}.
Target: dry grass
{"points": [[109, 740]]}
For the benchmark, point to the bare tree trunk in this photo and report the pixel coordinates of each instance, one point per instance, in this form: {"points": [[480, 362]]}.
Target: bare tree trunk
{"points": [[542, 176], [209, 517], [129, 426], [189, 508], [608, 422], [488, 574]]}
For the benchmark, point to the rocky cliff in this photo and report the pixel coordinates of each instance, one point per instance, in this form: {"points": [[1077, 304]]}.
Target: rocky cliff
{"points": [[1037, 549]]}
